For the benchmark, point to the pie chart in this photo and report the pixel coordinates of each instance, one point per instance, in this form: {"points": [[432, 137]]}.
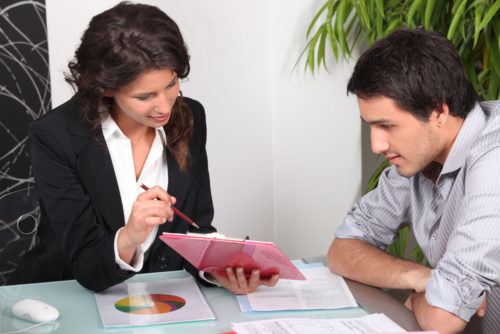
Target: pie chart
{"points": [[150, 304]]}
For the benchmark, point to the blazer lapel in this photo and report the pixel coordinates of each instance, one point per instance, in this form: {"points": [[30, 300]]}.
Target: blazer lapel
{"points": [[177, 180], [96, 171]]}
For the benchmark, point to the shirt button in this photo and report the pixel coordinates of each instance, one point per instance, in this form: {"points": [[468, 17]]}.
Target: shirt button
{"points": [[434, 236], [162, 262]]}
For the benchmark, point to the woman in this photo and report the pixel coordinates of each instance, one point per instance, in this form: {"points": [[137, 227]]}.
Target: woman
{"points": [[127, 125]]}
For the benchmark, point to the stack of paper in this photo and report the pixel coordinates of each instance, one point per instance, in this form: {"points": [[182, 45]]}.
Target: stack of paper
{"points": [[373, 323], [322, 289]]}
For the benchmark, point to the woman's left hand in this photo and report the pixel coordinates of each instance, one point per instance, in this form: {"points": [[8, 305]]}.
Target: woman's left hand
{"points": [[236, 281]]}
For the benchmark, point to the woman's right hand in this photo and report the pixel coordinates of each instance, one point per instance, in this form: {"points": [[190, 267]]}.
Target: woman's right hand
{"points": [[151, 208]]}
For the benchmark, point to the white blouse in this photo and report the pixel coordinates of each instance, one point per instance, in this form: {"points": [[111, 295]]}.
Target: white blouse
{"points": [[154, 172]]}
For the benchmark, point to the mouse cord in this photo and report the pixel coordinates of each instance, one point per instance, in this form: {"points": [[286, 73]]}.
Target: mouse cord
{"points": [[28, 328]]}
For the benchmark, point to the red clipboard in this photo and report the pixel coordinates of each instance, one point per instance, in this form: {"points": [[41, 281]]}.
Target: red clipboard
{"points": [[212, 254]]}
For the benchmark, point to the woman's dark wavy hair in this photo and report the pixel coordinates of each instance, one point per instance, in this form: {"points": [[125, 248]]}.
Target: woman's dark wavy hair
{"points": [[118, 46], [420, 70]]}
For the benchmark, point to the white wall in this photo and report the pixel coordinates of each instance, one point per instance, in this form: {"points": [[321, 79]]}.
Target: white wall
{"points": [[284, 148], [316, 134]]}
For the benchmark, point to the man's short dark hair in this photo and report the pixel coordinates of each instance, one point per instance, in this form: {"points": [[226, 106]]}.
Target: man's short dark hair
{"points": [[420, 70]]}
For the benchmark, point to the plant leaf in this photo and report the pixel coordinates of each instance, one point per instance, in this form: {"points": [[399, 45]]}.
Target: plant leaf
{"points": [[496, 32], [456, 19], [428, 14], [417, 254], [380, 8], [395, 23], [332, 38], [313, 22], [494, 60], [411, 12], [348, 20], [489, 14], [483, 76], [339, 27], [351, 24], [477, 21], [312, 48], [395, 3], [493, 92], [363, 14], [403, 237], [464, 47], [471, 73], [380, 22], [357, 32], [301, 55], [321, 49], [390, 249], [373, 182]]}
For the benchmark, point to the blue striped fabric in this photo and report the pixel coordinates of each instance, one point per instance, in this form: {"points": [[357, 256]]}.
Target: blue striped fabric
{"points": [[456, 220]]}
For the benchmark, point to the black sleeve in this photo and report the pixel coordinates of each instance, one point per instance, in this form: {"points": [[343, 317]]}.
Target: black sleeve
{"points": [[71, 227]]}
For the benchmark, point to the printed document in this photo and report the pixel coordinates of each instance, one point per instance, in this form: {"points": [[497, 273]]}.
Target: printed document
{"points": [[322, 289], [373, 323]]}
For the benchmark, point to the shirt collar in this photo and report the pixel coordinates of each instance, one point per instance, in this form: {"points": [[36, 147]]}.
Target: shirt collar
{"points": [[473, 125], [110, 128]]}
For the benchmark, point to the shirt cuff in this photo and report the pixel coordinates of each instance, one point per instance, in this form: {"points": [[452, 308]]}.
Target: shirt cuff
{"points": [[350, 230], [209, 279], [462, 299], [137, 260]]}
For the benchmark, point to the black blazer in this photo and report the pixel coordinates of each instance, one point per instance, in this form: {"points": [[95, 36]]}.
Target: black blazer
{"points": [[81, 208]]}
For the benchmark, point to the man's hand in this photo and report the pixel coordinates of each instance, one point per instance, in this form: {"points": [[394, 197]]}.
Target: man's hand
{"points": [[239, 284]]}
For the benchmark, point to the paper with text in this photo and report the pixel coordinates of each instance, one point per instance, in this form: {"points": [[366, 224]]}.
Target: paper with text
{"points": [[322, 289], [373, 323]]}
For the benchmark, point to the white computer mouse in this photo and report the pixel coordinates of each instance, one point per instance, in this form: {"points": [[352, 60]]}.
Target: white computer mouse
{"points": [[34, 310]]}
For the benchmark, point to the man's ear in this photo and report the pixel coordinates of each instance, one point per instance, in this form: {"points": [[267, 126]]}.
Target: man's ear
{"points": [[107, 92], [440, 115]]}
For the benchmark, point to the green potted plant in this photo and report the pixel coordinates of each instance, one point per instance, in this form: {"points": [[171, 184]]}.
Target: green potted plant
{"points": [[472, 26]]}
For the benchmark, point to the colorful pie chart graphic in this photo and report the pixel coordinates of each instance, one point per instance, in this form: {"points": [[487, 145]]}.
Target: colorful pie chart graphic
{"points": [[150, 304]]}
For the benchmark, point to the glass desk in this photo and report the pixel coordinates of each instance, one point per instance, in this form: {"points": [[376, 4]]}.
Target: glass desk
{"points": [[79, 313]]}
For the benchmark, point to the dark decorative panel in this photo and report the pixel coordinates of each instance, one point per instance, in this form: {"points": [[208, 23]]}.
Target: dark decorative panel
{"points": [[24, 86], [24, 96]]}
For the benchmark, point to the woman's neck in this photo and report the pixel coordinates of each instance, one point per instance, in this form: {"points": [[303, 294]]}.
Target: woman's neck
{"points": [[141, 139]]}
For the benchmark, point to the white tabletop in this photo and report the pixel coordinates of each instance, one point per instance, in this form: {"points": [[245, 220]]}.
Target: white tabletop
{"points": [[79, 313]]}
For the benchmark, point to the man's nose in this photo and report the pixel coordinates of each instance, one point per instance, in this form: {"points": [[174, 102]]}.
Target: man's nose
{"points": [[379, 142]]}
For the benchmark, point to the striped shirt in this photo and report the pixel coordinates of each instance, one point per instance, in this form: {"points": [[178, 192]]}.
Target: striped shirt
{"points": [[456, 220]]}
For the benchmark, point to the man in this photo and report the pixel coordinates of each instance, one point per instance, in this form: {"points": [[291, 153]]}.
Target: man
{"points": [[444, 148]]}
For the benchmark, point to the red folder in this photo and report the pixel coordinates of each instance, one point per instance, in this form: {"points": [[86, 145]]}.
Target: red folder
{"points": [[212, 254]]}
